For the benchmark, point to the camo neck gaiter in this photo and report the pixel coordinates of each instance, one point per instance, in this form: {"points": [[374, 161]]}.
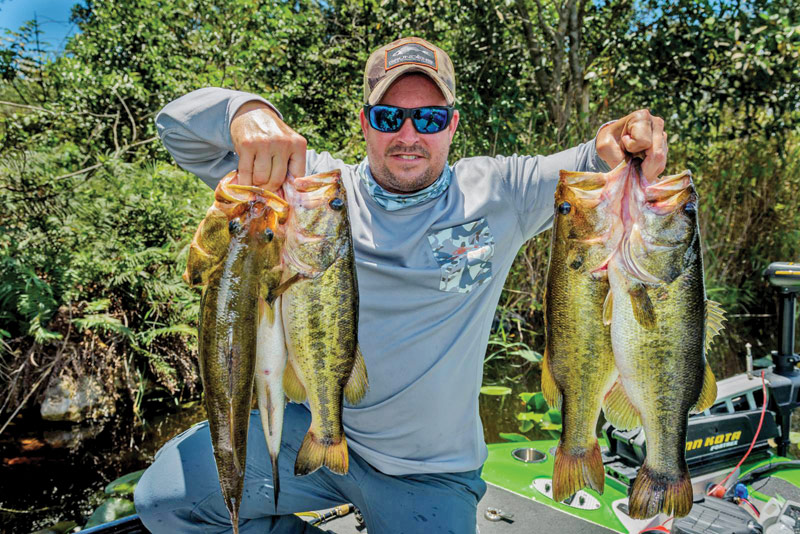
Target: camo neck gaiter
{"points": [[396, 201]]}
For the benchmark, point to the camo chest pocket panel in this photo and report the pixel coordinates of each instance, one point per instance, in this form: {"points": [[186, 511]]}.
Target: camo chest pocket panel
{"points": [[464, 254]]}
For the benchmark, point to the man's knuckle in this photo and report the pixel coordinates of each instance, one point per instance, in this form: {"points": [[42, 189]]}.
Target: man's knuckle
{"points": [[250, 143]]}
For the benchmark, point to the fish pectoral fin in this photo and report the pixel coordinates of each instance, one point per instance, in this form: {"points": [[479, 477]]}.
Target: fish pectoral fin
{"points": [[208, 248], [265, 309], [281, 289], [715, 316], [199, 265], [608, 307], [708, 394], [643, 310], [549, 387], [619, 409], [357, 384], [292, 386]]}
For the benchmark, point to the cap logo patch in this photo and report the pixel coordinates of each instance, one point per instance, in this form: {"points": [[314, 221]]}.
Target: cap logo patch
{"points": [[411, 53]]}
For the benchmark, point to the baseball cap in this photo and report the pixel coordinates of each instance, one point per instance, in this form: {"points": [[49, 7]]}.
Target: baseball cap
{"points": [[409, 54]]}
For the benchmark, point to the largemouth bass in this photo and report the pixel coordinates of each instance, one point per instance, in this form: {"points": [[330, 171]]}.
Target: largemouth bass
{"points": [[234, 254], [578, 365], [320, 314], [661, 324]]}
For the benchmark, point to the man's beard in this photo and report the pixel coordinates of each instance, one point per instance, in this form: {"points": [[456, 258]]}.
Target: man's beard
{"points": [[389, 181]]}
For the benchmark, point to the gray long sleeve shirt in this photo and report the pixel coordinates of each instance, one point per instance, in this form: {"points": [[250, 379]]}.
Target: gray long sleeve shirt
{"points": [[429, 278]]}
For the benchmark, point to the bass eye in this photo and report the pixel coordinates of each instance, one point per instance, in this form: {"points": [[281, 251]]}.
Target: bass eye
{"points": [[234, 226], [690, 207], [564, 208], [268, 235], [336, 204]]}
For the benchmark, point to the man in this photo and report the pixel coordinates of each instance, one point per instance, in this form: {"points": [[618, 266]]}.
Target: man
{"points": [[433, 245]]}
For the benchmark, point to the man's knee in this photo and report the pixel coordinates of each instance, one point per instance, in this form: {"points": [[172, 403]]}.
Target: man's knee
{"points": [[182, 475]]}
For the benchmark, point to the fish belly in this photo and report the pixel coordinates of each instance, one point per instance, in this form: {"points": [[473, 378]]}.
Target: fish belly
{"points": [[320, 316], [661, 372], [270, 363]]}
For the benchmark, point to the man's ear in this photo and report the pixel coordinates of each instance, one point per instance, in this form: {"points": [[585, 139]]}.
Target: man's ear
{"points": [[364, 124], [453, 124]]}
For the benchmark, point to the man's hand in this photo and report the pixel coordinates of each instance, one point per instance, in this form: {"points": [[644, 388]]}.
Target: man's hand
{"points": [[267, 147], [639, 132]]}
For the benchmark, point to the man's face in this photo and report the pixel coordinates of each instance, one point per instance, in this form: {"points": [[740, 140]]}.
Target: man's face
{"points": [[406, 161]]}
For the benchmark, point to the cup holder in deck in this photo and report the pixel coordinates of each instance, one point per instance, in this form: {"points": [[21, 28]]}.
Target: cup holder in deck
{"points": [[529, 455]]}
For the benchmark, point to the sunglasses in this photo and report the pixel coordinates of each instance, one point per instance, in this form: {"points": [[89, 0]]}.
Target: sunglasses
{"points": [[426, 120]]}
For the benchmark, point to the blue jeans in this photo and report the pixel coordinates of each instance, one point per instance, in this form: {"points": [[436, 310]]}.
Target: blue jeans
{"points": [[180, 491]]}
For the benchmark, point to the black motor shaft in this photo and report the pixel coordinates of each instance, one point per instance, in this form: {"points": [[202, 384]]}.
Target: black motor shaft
{"points": [[785, 277]]}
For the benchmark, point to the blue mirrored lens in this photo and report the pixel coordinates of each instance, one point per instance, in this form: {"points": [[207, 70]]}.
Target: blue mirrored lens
{"points": [[430, 120], [386, 119]]}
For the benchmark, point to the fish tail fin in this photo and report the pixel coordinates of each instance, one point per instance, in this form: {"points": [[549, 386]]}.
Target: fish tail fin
{"points": [[708, 394], [313, 454], [292, 386], [276, 482], [233, 510], [549, 388], [653, 492], [576, 469], [618, 408], [357, 384]]}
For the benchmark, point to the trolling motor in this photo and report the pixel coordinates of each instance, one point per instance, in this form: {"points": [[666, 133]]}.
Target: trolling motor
{"points": [[785, 378]]}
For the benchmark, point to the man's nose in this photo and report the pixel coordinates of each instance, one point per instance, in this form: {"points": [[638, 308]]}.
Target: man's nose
{"points": [[407, 134]]}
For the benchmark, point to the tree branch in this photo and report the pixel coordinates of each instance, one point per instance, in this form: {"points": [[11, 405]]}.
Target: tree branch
{"points": [[537, 55], [130, 116], [116, 155], [52, 112]]}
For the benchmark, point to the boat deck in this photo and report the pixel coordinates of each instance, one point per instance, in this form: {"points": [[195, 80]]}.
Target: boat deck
{"points": [[530, 517]]}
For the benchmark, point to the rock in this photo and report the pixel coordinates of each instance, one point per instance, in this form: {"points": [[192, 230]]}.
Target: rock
{"points": [[68, 399], [62, 527], [72, 438]]}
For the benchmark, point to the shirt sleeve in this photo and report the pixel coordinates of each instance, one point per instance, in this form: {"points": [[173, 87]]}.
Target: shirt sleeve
{"points": [[196, 130], [531, 182]]}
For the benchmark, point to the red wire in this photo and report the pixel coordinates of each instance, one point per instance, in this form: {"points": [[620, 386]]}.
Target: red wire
{"points": [[755, 511], [760, 422]]}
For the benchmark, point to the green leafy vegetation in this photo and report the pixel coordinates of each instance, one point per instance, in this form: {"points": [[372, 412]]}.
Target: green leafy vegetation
{"points": [[95, 217]]}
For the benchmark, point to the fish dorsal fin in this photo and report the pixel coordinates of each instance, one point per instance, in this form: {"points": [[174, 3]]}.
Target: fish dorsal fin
{"points": [[709, 392], [357, 384], [292, 386], [608, 308], [643, 310], [619, 409], [549, 388], [715, 316]]}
